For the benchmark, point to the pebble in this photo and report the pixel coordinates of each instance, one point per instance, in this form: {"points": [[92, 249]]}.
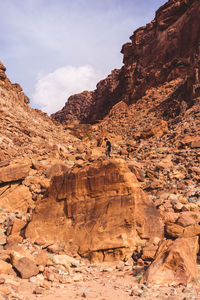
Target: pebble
{"points": [[77, 277]]}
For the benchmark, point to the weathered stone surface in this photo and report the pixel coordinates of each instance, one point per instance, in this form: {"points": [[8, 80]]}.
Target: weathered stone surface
{"points": [[156, 130], [175, 43], [18, 199], [76, 109], [187, 219], [26, 267], [138, 173], [96, 207], [5, 267], [196, 143], [15, 226], [41, 258], [173, 230], [2, 239], [14, 173], [65, 260], [175, 262]]}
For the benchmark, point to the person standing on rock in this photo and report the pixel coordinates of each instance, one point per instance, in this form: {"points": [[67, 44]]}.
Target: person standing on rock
{"points": [[108, 147]]}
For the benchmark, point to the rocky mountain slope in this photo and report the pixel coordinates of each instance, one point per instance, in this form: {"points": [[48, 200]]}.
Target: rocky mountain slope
{"points": [[166, 49], [73, 222]]}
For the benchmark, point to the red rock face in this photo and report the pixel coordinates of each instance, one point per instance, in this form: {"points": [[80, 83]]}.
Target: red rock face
{"points": [[168, 48], [76, 109], [165, 49], [87, 107]]}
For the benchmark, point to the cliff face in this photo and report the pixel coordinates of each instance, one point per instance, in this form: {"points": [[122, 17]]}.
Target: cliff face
{"points": [[76, 109], [88, 107], [166, 49]]}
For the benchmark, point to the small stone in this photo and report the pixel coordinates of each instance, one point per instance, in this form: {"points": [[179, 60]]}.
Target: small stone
{"points": [[137, 292], [120, 266], [48, 274], [108, 269], [40, 277], [5, 290], [5, 267], [12, 282], [78, 277], [39, 241], [129, 262], [41, 268], [38, 291], [33, 279], [83, 295]]}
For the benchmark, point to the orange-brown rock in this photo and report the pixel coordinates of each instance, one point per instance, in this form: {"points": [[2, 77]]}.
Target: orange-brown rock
{"points": [[88, 107], [15, 226], [138, 173], [76, 109], [188, 218], [175, 54], [173, 230], [96, 208], [175, 262], [17, 198], [148, 252], [14, 172], [26, 267], [41, 258], [157, 130], [5, 268]]}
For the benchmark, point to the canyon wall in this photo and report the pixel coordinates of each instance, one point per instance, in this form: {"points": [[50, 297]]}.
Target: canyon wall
{"points": [[166, 49]]}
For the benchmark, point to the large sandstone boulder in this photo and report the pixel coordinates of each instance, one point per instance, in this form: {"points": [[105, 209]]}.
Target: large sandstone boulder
{"points": [[96, 209], [17, 198], [175, 262], [26, 267], [14, 172]]}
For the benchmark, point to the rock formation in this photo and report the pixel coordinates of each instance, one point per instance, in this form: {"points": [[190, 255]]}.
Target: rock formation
{"points": [[166, 49], [175, 262], [98, 209], [76, 109], [61, 196]]}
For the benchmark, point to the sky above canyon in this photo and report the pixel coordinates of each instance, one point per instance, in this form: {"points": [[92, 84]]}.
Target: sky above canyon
{"points": [[56, 48]]}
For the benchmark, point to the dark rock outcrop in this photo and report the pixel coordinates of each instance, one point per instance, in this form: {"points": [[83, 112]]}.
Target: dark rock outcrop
{"points": [[76, 109]]}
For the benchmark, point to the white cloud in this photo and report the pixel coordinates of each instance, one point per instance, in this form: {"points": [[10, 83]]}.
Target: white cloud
{"points": [[53, 90]]}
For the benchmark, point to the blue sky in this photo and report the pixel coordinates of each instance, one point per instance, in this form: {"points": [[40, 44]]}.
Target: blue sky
{"points": [[55, 48]]}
